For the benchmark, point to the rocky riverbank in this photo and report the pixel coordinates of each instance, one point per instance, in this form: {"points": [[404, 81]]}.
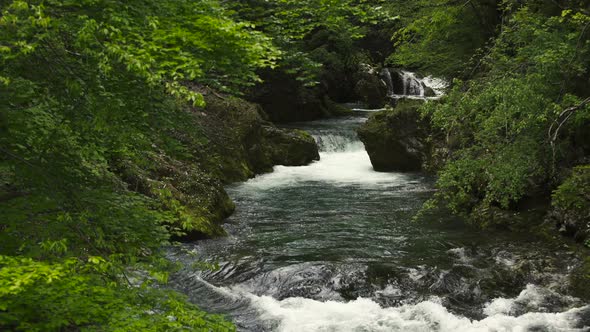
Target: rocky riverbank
{"points": [[227, 141]]}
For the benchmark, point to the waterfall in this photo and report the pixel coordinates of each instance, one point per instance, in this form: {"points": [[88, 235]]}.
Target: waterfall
{"points": [[406, 84], [387, 77], [412, 85], [333, 136], [343, 160]]}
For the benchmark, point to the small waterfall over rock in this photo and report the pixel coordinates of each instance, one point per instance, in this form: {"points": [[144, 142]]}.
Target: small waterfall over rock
{"points": [[405, 84]]}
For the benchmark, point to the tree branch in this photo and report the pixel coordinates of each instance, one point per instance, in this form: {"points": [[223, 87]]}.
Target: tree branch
{"points": [[558, 123]]}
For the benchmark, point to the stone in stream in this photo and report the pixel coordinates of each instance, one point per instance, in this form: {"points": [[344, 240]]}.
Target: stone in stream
{"points": [[287, 147], [396, 140], [428, 91]]}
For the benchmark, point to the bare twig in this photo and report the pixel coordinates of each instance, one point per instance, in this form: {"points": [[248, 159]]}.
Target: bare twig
{"points": [[558, 123]]}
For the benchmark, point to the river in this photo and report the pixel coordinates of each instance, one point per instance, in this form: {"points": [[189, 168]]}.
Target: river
{"points": [[332, 247]]}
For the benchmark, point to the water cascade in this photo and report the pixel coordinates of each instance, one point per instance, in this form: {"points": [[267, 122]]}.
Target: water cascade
{"points": [[332, 247], [405, 84]]}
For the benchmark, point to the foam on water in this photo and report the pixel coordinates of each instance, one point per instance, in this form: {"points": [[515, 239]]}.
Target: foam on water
{"points": [[437, 84], [358, 171], [343, 161], [532, 298], [300, 314]]}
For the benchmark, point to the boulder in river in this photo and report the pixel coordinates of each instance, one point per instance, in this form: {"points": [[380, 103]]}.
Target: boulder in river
{"points": [[396, 139], [278, 146]]}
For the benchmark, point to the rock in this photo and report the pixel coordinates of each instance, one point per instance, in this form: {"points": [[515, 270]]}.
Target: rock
{"points": [[251, 145], [196, 201], [228, 141], [428, 91], [291, 147], [396, 140], [372, 91], [285, 99], [398, 81]]}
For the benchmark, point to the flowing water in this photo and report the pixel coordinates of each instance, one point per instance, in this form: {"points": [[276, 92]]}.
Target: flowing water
{"points": [[408, 85], [332, 247]]}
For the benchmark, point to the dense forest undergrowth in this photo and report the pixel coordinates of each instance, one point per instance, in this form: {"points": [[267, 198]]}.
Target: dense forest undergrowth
{"points": [[120, 124]]}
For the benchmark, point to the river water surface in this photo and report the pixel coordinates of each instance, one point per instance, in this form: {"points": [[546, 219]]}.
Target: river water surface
{"points": [[332, 247]]}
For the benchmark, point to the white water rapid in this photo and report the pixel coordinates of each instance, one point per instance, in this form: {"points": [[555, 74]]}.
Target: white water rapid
{"points": [[299, 314], [343, 161]]}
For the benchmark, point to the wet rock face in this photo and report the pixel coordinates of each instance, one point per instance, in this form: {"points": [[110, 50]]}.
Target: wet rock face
{"points": [[277, 146], [371, 89], [396, 140], [291, 147]]}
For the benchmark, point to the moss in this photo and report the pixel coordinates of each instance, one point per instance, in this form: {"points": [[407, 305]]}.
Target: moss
{"points": [[335, 109], [580, 280], [203, 149], [397, 139], [571, 205]]}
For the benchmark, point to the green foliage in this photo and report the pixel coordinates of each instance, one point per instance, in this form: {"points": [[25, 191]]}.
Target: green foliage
{"points": [[574, 193], [497, 125], [72, 295], [95, 104], [294, 23], [441, 36], [165, 42], [571, 204]]}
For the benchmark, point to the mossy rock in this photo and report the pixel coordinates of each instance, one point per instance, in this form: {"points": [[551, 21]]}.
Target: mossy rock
{"points": [[196, 203], [225, 142], [580, 280], [291, 147], [428, 91], [571, 205], [335, 109], [372, 91], [396, 139], [252, 145]]}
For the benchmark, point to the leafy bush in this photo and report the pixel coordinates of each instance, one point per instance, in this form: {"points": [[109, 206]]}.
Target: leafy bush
{"points": [[501, 127], [42, 296], [86, 87]]}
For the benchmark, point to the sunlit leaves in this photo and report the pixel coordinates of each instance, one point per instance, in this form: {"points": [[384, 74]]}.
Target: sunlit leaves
{"points": [[87, 85], [58, 296]]}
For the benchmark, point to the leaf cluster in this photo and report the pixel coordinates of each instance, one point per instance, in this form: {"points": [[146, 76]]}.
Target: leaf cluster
{"points": [[89, 89], [497, 124]]}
